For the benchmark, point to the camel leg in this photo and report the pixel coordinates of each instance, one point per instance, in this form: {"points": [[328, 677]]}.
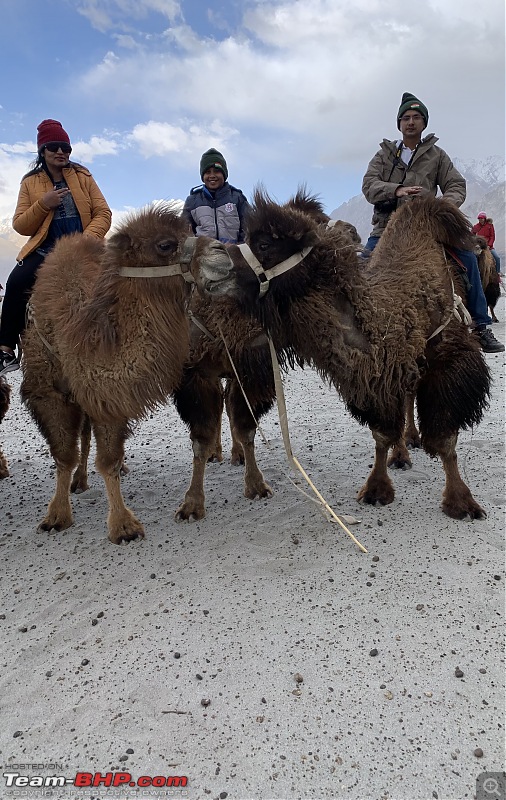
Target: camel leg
{"points": [[199, 402], [60, 422], [400, 457], [458, 501], [80, 480], [122, 524], [452, 396], [4, 405], [243, 430], [4, 469], [378, 487], [217, 454]]}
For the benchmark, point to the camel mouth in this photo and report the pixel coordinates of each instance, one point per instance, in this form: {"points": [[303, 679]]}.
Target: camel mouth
{"points": [[217, 288]]}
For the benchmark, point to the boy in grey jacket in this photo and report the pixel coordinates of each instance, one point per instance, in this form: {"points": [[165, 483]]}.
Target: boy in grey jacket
{"points": [[216, 209]]}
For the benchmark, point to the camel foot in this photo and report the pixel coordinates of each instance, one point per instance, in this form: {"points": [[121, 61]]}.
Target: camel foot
{"points": [[399, 459], [237, 457], [190, 510], [215, 458], [4, 470], [125, 529], [376, 492], [462, 506], [413, 442], [258, 488], [55, 521], [124, 470], [79, 483]]}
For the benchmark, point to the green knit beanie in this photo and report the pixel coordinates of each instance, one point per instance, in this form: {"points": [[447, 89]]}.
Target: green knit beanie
{"points": [[213, 158], [411, 103]]}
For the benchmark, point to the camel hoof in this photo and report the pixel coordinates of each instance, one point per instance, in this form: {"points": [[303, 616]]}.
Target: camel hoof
{"points": [[126, 536], [46, 526], [237, 458], [189, 512], [124, 470], [470, 510], [399, 462], [4, 472], [79, 486], [258, 491], [376, 495], [215, 458]]}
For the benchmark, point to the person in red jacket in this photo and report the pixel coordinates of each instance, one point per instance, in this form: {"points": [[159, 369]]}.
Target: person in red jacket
{"points": [[484, 227]]}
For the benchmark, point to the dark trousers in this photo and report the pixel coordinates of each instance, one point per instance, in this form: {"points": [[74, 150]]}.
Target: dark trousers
{"points": [[17, 292]]}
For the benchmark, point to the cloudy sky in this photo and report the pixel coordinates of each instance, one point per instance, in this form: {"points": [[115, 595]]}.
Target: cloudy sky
{"points": [[290, 90]]}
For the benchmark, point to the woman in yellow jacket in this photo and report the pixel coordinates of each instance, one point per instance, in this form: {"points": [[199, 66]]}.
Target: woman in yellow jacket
{"points": [[57, 197]]}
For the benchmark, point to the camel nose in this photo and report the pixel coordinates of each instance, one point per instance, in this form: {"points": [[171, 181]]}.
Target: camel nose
{"points": [[216, 263]]}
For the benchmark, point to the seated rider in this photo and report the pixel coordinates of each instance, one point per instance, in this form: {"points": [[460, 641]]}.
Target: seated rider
{"points": [[412, 166]]}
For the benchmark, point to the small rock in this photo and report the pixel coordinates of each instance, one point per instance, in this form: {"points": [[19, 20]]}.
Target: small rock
{"points": [[373, 652], [199, 677], [17, 734], [205, 702], [298, 678], [123, 758], [483, 671], [478, 752], [129, 751], [419, 607], [458, 673], [223, 795], [375, 558], [177, 655], [94, 621], [388, 695], [84, 662]]}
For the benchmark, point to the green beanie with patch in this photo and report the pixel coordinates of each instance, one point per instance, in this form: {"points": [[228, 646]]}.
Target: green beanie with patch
{"points": [[411, 103], [213, 158]]}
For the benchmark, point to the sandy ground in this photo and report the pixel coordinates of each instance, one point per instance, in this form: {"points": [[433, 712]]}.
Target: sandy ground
{"points": [[108, 652]]}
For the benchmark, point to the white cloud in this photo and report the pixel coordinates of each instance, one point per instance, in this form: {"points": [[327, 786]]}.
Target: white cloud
{"points": [[321, 69], [97, 146], [163, 138], [107, 14]]}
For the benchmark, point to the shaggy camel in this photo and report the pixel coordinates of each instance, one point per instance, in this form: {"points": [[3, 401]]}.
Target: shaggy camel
{"points": [[5, 394], [489, 275], [199, 397], [379, 332], [108, 343]]}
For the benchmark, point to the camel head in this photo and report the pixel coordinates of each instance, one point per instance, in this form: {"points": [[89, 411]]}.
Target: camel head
{"points": [[480, 245], [156, 238], [276, 233]]}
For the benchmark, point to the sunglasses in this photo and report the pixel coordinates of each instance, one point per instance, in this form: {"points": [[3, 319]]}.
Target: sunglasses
{"points": [[53, 147]]}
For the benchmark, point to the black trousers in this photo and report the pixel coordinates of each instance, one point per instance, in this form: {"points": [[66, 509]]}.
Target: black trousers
{"points": [[17, 292]]}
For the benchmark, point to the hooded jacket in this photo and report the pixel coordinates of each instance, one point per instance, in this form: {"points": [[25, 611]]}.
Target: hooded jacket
{"points": [[486, 230], [430, 167], [220, 217], [32, 218]]}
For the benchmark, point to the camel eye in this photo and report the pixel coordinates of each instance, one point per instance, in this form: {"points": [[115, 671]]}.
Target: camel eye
{"points": [[165, 246], [263, 246]]}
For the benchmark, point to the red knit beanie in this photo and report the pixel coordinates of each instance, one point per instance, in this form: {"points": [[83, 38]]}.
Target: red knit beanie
{"points": [[50, 130]]}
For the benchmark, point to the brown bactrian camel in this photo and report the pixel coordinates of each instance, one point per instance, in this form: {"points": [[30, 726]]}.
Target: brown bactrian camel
{"points": [[5, 394], [369, 328], [201, 387], [489, 276], [107, 344]]}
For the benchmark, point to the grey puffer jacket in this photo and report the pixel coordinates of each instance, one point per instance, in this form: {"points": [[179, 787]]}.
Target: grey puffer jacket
{"points": [[430, 167], [220, 217]]}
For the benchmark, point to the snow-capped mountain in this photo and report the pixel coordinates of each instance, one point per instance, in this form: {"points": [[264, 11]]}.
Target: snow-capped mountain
{"points": [[485, 192]]}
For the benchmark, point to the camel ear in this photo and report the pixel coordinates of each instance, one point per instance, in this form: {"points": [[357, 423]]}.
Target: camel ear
{"points": [[119, 241]]}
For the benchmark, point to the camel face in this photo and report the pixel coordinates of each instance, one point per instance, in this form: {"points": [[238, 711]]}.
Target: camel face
{"points": [[214, 272]]}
